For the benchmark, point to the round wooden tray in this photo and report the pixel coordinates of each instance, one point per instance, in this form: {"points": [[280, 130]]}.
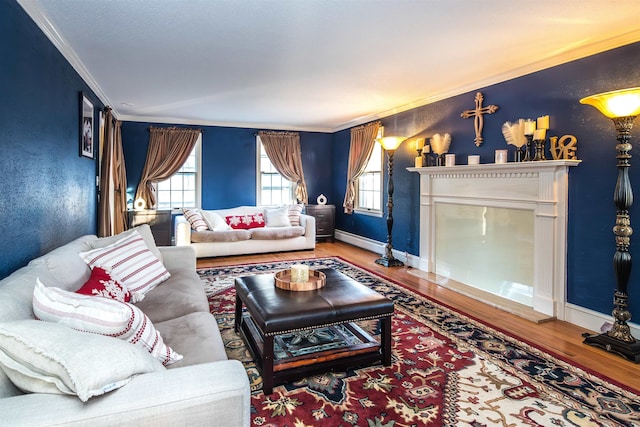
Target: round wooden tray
{"points": [[317, 280]]}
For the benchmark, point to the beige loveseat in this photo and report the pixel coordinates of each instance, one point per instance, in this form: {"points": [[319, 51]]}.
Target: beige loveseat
{"points": [[220, 239], [204, 388]]}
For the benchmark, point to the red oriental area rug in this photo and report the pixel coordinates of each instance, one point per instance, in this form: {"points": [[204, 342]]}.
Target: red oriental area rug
{"points": [[447, 370]]}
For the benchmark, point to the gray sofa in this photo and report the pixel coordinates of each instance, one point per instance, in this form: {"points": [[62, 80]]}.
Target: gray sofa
{"points": [[204, 388]]}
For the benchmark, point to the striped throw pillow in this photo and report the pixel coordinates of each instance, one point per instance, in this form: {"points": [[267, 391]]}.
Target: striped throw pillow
{"points": [[130, 262], [294, 214], [195, 219], [104, 316]]}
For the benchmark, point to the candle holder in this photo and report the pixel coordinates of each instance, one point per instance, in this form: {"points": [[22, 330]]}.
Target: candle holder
{"points": [[539, 150], [527, 152], [440, 159], [419, 162], [518, 155]]}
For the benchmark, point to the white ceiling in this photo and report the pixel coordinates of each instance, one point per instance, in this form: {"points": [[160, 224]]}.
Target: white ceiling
{"points": [[320, 65]]}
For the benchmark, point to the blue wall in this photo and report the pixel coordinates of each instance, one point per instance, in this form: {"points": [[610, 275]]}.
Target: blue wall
{"points": [[47, 191], [229, 163], [556, 92]]}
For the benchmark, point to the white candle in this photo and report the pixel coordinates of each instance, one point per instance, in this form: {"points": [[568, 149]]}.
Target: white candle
{"points": [[539, 134], [450, 160], [529, 127], [419, 161], [299, 273], [473, 159], [543, 122], [501, 156]]}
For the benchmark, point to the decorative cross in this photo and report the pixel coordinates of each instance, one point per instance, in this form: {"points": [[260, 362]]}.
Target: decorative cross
{"points": [[478, 120]]}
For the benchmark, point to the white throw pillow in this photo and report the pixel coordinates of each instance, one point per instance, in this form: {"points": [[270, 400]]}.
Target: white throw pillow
{"points": [[278, 217], [131, 263], [215, 221], [42, 357], [102, 316]]}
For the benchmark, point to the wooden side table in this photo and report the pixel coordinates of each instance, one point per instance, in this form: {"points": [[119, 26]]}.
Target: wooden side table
{"points": [[325, 216], [159, 221]]}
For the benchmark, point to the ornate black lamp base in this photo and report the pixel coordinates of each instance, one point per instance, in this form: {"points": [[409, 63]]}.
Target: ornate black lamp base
{"points": [[628, 350], [389, 262]]}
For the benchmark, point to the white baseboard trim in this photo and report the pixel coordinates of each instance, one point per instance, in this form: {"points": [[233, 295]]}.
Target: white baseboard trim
{"points": [[583, 317], [375, 246], [592, 320]]}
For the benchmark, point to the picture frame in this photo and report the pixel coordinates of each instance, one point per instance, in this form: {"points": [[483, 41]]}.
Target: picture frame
{"points": [[87, 148]]}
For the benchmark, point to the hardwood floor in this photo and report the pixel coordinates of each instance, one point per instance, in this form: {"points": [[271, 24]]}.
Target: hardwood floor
{"points": [[555, 336]]}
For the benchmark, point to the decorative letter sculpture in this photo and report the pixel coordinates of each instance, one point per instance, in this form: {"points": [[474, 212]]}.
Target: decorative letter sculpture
{"points": [[562, 151]]}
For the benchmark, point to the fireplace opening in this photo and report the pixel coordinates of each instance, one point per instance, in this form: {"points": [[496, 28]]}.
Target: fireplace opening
{"points": [[487, 248]]}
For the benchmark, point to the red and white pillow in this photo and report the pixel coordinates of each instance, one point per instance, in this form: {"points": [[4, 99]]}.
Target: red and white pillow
{"points": [[131, 263], [102, 316], [246, 222], [196, 220], [102, 284]]}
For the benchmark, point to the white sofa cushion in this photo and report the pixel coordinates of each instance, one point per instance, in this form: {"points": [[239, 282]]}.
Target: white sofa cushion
{"points": [[220, 236], [276, 233], [44, 357]]}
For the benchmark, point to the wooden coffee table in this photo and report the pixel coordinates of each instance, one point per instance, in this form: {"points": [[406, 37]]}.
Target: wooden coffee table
{"points": [[273, 313]]}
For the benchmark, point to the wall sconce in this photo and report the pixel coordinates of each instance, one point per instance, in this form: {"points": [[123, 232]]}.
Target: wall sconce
{"points": [[390, 144], [622, 106]]}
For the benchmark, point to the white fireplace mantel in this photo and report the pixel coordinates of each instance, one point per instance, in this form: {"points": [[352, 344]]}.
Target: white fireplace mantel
{"points": [[540, 187]]}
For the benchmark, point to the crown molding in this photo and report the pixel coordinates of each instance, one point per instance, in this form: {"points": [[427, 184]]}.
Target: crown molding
{"points": [[64, 48], [252, 125]]}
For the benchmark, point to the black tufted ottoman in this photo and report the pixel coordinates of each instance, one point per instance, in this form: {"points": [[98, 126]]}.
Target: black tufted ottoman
{"points": [[274, 313]]}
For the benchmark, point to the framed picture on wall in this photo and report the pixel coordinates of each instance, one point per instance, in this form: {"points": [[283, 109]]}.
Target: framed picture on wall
{"points": [[86, 127]]}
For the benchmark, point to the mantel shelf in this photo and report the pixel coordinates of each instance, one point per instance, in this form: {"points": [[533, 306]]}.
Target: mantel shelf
{"points": [[497, 167]]}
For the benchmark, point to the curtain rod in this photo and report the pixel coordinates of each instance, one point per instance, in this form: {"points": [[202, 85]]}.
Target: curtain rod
{"points": [[280, 132], [173, 127]]}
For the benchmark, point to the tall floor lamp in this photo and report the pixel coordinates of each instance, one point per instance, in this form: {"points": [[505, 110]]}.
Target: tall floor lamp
{"points": [[390, 144], [622, 106]]}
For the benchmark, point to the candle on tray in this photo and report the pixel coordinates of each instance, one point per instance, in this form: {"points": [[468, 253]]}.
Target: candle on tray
{"points": [[299, 273]]}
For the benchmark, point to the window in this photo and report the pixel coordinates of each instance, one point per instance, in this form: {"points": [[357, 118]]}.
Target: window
{"points": [[273, 189], [369, 186], [182, 190]]}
